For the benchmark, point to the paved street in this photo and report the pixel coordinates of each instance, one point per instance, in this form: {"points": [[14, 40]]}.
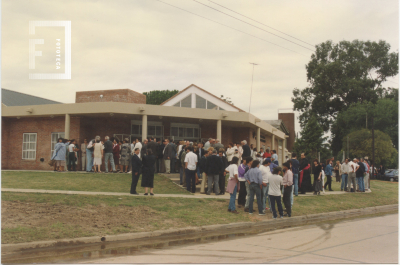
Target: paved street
{"points": [[369, 240]]}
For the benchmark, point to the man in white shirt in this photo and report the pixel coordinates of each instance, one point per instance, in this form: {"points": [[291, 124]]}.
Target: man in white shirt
{"points": [[138, 145], [207, 144], [266, 173], [190, 169], [261, 152], [345, 174], [353, 166], [274, 157], [71, 156], [274, 192]]}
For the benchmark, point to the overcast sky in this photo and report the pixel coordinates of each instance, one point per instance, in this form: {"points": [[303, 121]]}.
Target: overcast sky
{"points": [[147, 45]]}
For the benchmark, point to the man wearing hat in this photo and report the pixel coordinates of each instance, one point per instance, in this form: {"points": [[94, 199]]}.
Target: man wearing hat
{"points": [[353, 166]]}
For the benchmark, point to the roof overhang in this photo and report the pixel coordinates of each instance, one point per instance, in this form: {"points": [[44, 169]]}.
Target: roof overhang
{"points": [[83, 109]]}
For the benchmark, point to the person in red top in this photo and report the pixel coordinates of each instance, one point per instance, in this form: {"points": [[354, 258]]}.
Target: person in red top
{"points": [[267, 154]]}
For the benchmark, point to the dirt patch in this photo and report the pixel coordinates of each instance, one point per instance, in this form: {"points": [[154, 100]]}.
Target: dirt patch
{"points": [[98, 220]]}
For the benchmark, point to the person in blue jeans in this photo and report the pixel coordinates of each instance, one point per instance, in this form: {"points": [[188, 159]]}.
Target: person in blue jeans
{"points": [[266, 172], [275, 181], [254, 178], [360, 175], [233, 183], [328, 173], [345, 174], [295, 170]]}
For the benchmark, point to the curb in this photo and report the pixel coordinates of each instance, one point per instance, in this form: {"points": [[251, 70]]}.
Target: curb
{"points": [[189, 231]]}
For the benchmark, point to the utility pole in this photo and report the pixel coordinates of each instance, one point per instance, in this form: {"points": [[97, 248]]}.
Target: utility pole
{"points": [[251, 89], [366, 121], [373, 151]]}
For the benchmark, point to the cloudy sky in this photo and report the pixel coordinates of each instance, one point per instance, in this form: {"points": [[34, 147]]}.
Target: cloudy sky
{"points": [[148, 45]]}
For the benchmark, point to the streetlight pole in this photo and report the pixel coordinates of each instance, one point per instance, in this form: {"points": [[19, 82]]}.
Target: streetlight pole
{"points": [[373, 151], [251, 89]]}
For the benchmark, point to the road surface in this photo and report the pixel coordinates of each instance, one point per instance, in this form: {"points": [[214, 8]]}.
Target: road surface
{"points": [[368, 240]]}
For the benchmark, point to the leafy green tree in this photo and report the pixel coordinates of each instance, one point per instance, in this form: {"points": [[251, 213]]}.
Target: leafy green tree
{"points": [[342, 74], [385, 113], [312, 140], [156, 97], [360, 145]]}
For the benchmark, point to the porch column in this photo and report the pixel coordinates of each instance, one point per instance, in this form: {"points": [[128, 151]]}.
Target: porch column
{"points": [[284, 148], [219, 130], [258, 139], [144, 127], [273, 142], [67, 126]]}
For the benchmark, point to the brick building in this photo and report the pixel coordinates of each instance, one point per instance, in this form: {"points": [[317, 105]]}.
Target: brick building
{"points": [[31, 125]]}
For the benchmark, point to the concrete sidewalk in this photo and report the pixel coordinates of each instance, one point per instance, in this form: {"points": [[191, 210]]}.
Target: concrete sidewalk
{"points": [[226, 196], [200, 196], [175, 179]]}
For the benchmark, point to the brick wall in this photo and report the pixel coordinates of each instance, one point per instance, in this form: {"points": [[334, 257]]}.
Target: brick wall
{"points": [[85, 127], [12, 138], [115, 95]]}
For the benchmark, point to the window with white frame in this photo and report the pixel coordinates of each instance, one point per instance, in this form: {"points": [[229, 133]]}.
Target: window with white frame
{"points": [[154, 129], [183, 131], [29, 146], [185, 103], [54, 140], [202, 103]]}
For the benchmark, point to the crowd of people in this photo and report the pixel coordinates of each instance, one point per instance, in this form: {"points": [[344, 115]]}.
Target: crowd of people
{"points": [[251, 172]]}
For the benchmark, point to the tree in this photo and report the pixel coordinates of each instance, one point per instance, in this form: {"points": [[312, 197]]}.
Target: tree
{"points": [[360, 145], [385, 113], [156, 97], [342, 74], [312, 139]]}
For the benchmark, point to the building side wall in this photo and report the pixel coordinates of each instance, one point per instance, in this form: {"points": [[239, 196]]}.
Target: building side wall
{"points": [[116, 95], [87, 128], [43, 127], [5, 142], [289, 119]]}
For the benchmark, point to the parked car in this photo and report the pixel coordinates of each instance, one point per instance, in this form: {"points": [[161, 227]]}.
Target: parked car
{"points": [[392, 175]]}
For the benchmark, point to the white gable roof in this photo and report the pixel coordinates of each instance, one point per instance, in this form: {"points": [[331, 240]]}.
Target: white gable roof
{"points": [[193, 90]]}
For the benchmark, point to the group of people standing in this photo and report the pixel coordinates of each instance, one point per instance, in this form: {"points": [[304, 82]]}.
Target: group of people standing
{"points": [[251, 173], [353, 175]]}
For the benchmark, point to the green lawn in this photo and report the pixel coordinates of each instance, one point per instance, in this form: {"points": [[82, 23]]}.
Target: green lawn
{"points": [[383, 193], [71, 216], [83, 182], [30, 217]]}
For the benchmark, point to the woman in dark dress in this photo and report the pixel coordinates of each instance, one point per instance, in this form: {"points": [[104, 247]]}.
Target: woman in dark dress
{"points": [[317, 171], [337, 172], [116, 151], [148, 169]]}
